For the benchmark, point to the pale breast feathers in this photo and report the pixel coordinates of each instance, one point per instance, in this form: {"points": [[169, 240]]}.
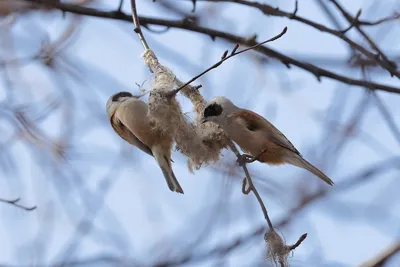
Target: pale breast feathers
{"points": [[257, 123]]}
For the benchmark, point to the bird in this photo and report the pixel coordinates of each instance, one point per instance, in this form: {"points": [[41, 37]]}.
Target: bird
{"points": [[256, 135], [128, 117]]}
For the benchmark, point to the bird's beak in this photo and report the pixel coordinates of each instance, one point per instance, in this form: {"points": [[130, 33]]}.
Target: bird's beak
{"points": [[203, 120]]}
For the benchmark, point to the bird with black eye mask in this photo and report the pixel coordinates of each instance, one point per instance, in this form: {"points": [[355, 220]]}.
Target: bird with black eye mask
{"points": [[256, 136], [128, 117]]}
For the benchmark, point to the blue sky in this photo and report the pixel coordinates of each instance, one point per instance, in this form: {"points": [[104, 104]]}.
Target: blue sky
{"points": [[140, 217]]}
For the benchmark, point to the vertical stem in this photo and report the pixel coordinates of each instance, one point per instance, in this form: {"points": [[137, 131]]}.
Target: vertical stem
{"points": [[252, 187], [137, 28]]}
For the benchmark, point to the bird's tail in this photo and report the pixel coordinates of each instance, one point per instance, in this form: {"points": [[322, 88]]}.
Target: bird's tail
{"points": [[165, 164], [298, 161]]}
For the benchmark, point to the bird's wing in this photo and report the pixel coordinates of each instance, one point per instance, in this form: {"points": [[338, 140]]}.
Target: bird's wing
{"points": [[127, 135], [255, 122]]}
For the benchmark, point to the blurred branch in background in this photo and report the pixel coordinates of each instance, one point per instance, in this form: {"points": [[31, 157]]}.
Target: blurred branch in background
{"points": [[187, 25], [14, 202], [8, 7], [271, 11], [383, 256]]}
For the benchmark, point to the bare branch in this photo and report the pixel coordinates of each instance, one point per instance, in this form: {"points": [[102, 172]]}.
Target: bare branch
{"points": [[183, 24], [252, 187], [14, 202], [298, 243], [225, 57], [137, 28], [355, 21], [272, 11], [274, 242], [277, 250], [121, 2], [386, 63], [395, 16], [383, 257]]}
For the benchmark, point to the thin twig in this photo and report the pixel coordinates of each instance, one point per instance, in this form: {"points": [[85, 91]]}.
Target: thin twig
{"points": [[355, 21], [245, 190], [298, 243], [252, 187], [121, 2], [389, 65], [137, 28], [14, 202], [224, 58], [395, 16]]}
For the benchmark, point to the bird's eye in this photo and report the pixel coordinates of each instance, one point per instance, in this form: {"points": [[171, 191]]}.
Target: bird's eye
{"points": [[116, 97], [212, 110]]}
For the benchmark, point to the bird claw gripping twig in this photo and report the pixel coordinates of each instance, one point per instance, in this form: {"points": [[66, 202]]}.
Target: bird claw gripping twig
{"points": [[245, 158]]}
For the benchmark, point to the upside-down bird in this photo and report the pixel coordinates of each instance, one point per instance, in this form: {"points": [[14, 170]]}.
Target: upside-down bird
{"points": [[128, 117]]}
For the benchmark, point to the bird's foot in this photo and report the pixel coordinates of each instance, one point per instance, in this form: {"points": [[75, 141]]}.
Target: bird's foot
{"points": [[244, 158]]}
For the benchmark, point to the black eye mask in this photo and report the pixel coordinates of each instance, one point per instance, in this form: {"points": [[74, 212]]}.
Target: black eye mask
{"points": [[121, 94], [212, 110]]}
